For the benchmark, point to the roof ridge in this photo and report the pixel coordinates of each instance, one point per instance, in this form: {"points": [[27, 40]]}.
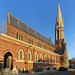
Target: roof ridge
{"points": [[28, 26]]}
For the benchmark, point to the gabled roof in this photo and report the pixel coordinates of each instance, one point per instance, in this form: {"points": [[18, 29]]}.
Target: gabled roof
{"points": [[19, 24], [60, 51]]}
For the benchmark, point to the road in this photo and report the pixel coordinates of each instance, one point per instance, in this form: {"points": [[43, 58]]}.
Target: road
{"points": [[60, 73]]}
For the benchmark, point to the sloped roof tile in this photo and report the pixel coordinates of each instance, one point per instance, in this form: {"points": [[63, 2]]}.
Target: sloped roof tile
{"points": [[60, 51], [17, 23]]}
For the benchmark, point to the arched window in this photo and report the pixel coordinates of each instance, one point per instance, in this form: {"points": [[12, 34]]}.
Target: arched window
{"points": [[36, 59], [21, 37], [29, 56], [17, 35], [21, 54], [46, 58], [52, 60], [55, 60], [57, 23], [49, 59], [41, 57], [58, 34]]}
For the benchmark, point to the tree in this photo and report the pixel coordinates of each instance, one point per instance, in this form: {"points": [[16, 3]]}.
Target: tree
{"points": [[3, 27], [72, 61]]}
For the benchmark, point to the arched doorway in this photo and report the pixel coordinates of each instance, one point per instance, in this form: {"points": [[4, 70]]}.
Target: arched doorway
{"points": [[8, 60]]}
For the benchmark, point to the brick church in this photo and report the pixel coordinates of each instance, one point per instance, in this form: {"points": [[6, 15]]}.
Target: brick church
{"points": [[25, 48]]}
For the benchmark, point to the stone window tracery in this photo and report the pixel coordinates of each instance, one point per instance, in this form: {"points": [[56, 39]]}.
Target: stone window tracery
{"points": [[36, 58], [29, 56], [41, 57], [21, 54]]}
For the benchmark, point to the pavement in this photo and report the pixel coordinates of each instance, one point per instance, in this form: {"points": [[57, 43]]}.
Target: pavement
{"points": [[39, 73], [45, 72], [71, 69], [50, 72]]}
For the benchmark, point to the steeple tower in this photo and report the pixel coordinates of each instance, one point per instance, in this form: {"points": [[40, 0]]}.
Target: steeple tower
{"points": [[59, 16], [59, 29]]}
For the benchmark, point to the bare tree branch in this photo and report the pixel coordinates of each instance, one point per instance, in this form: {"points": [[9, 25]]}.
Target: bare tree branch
{"points": [[3, 27]]}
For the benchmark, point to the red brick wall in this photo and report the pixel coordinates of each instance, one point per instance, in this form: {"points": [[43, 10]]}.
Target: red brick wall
{"points": [[12, 45], [12, 30]]}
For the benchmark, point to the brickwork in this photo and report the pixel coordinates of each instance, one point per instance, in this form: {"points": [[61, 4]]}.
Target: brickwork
{"points": [[31, 45], [59, 38], [9, 44], [12, 30]]}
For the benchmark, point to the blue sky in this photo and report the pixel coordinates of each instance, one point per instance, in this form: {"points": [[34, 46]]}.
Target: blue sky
{"points": [[41, 16]]}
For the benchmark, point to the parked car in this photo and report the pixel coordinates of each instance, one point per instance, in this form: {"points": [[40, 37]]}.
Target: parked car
{"points": [[39, 69], [26, 71], [48, 68], [63, 69], [54, 68]]}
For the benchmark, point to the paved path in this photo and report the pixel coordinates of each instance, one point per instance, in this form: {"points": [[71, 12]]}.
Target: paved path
{"points": [[39, 73], [69, 72], [50, 72], [64, 73]]}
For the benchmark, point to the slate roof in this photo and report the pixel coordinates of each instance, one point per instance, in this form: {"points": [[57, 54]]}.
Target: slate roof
{"points": [[60, 51], [17, 23]]}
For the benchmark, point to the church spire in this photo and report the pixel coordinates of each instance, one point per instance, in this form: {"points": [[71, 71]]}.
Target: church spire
{"points": [[59, 15], [59, 19], [59, 28]]}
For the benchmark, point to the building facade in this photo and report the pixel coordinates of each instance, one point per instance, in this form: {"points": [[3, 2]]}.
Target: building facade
{"points": [[25, 48]]}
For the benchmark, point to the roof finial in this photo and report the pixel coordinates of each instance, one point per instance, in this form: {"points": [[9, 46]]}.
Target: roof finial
{"points": [[50, 39], [8, 17]]}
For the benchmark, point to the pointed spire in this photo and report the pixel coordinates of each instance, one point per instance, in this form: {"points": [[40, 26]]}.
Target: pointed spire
{"points": [[59, 17]]}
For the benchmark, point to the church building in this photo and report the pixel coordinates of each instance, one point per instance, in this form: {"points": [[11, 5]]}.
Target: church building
{"points": [[25, 48]]}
